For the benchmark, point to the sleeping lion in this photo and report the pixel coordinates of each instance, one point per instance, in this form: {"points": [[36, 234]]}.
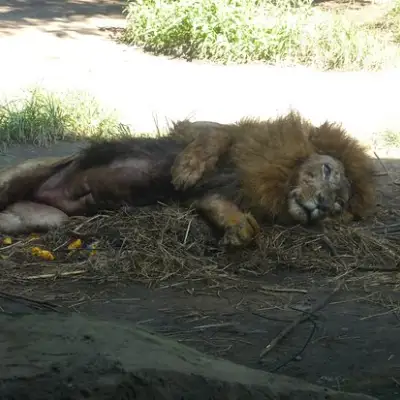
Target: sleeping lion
{"points": [[289, 169], [284, 170]]}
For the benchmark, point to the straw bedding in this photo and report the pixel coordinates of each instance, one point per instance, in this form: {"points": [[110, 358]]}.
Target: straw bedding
{"points": [[154, 245]]}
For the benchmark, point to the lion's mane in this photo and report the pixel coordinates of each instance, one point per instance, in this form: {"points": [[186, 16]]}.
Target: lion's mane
{"points": [[268, 155]]}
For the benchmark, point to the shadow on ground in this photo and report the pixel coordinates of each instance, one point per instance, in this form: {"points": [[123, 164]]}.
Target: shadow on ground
{"points": [[59, 17], [351, 344]]}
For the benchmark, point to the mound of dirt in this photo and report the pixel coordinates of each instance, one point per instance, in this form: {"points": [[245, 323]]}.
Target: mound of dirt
{"points": [[60, 356]]}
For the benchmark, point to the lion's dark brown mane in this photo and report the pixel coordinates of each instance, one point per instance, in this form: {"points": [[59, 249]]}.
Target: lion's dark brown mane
{"points": [[105, 152]]}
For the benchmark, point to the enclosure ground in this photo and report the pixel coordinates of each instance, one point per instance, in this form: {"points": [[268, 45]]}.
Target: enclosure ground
{"points": [[351, 344], [355, 345], [56, 362]]}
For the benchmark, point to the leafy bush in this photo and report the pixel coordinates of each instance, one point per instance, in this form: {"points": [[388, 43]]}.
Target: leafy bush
{"points": [[241, 31]]}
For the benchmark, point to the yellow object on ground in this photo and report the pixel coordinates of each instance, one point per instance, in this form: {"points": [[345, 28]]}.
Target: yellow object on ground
{"points": [[7, 241], [76, 244], [45, 254]]}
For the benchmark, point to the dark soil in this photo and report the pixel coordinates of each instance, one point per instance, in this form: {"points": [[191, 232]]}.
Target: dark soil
{"points": [[66, 356], [350, 345]]}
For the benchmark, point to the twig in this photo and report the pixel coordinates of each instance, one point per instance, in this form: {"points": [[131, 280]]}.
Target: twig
{"points": [[298, 354], [395, 381], [384, 167], [378, 268], [20, 242], [392, 228], [318, 306], [392, 310], [23, 299], [222, 325], [283, 290], [330, 245], [68, 273], [187, 231], [380, 174], [76, 230]]}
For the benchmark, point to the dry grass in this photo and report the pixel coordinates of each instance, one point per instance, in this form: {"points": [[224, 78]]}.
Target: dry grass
{"points": [[167, 246]]}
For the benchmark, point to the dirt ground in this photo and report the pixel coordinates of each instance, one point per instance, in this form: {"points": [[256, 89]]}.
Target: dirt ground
{"points": [[353, 343], [350, 345]]}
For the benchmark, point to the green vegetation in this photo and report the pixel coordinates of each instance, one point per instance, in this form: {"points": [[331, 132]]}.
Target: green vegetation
{"points": [[390, 139], [43, 117], [285, 32], [393, 21]]}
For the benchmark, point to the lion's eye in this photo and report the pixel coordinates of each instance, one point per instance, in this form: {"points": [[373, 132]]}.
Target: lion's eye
{"points": [[326, 171]]}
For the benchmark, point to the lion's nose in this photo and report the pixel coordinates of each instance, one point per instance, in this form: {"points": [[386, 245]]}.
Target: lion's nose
{"points": [[323, 203]]}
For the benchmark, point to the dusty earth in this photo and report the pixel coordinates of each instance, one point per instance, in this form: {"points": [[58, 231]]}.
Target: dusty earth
{"points": [[350, 345], [353, 344], [55, 362]]}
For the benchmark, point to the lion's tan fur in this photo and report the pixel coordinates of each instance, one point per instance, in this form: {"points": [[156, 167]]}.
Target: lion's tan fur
{"points": [[269, 156]]}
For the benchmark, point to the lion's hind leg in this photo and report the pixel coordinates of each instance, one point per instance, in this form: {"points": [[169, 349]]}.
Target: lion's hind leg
{"points": [[202, 154], [239, 228], [27, 217]]}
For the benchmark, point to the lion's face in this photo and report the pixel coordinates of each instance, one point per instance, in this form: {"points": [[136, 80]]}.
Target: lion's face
{"points": [[321, 189]]}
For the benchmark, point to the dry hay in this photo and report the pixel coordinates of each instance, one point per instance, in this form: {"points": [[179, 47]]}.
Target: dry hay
{"points": [[156, 245]]}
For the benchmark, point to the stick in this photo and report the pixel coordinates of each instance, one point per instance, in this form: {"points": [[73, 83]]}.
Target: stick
{"points": [[210, 326], [282, 290], [318, 306], [23, 299], [392, 228], [68, 273], [384, 167], [380, 174], [76, 230], [330, 245]]}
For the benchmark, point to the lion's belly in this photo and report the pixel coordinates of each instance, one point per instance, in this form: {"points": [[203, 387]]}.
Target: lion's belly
{"points": [[132, 181]]}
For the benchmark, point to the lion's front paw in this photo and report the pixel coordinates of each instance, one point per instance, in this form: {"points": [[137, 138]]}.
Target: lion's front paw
{"points": [[241, 230], [187, 171]]}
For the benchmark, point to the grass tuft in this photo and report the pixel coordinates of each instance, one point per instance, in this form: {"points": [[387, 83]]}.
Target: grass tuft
{"points": [[42, 118], [281, 32]]}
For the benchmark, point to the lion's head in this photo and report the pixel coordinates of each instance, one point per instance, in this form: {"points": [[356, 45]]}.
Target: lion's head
{"points": [[320, 188], [293, 171]]}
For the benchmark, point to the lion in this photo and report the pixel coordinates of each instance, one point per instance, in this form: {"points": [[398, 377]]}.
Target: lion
{"points": [[284, 169], [290, 170]]}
